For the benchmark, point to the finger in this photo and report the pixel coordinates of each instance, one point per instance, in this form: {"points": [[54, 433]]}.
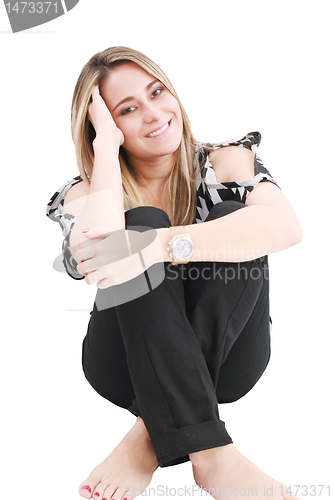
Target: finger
{"points": [[98, 252], [115, 247], [97, 232], [84, 250], [93, 277], [105, 283], [86, 267], [106, 251], [95, 93]]}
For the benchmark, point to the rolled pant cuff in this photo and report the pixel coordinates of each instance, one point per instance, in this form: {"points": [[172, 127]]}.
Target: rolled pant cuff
{"points": [[173, 447]]}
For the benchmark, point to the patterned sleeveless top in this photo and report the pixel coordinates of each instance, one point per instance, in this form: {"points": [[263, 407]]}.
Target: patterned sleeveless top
{"points": [[209, 191]]}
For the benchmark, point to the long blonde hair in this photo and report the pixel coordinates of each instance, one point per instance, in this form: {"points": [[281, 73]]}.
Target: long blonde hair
{"points": [[179, 190]]}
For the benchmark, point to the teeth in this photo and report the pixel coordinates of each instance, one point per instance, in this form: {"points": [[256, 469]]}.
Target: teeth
{"points": [[158, 132]]}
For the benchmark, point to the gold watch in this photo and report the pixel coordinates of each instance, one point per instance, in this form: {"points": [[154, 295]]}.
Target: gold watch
{"points": [[181, 246]]}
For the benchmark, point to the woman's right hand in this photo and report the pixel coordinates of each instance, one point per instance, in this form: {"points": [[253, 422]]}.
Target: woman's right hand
{"points": [[101, 118]]}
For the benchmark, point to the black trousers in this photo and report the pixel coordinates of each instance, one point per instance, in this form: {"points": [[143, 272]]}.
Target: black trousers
{"points": [[171, 355]]}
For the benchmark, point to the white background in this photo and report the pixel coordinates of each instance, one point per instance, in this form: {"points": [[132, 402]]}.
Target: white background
{"points": [[238, 66]]}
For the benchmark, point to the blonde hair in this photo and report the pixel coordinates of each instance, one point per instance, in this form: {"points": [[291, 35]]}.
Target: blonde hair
{"points": [[179, 190]]}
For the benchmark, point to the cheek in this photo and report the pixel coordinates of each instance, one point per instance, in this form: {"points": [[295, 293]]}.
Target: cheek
{"points": [[126, 129], [178, 114], [180, 122], [130, 138]]}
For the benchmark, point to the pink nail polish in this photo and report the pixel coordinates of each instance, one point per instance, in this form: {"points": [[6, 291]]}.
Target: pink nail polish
{"points": [[85, 230], [86, 488]]}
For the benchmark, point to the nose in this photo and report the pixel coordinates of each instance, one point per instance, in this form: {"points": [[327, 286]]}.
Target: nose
{"points": [[151, 112]]}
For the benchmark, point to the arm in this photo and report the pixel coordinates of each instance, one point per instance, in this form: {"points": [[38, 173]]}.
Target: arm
{"points": [[268, 224], [101, 203]]}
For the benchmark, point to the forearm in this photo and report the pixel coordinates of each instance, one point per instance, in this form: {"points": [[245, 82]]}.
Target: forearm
{"points": [[241, 236], [104, 205], [107, 176]]}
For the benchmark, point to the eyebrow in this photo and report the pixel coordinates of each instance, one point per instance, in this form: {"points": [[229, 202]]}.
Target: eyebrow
{"points": [[130, 98]]}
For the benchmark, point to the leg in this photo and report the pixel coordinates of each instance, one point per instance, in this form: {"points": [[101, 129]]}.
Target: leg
{"points": [[104, 357], [105, 366], [248, 357], [236, 365], [228, 307], [169, 373], [133, 461], [169, 378]]}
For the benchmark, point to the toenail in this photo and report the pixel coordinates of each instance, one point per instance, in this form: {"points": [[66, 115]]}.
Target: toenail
{"points": [[96, 494], [86, 488]]}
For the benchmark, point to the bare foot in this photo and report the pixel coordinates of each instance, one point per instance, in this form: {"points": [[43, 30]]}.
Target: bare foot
{"points": [[225, 473], [127, 471]]}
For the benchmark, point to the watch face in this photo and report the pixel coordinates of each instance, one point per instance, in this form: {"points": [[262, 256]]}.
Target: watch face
{"points": [[182, 248]]}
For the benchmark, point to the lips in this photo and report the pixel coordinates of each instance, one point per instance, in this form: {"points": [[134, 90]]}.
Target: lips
{"points": [[159, 130]]}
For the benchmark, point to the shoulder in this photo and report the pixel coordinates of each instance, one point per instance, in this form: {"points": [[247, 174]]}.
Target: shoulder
{"points": [[232, 164], [234, 160], [54, 208], [75, 198], [78, 190]]}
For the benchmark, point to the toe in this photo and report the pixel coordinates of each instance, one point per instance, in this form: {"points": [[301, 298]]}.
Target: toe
{"points": [[99, 491], [118, 494], [85, 489], [108, 492], [90, 485], [124, 493]]}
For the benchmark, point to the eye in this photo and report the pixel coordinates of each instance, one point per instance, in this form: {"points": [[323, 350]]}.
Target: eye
{"points": [[157, 92], [127, 111]]}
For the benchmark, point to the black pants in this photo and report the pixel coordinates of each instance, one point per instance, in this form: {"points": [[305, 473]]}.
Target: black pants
{"points": [[171, 355]]}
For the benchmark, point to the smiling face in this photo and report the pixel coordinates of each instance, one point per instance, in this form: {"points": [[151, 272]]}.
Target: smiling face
{"points": [[145, 111]]}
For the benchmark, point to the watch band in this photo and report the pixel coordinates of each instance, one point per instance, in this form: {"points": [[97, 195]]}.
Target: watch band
{"points": [[181, 246]]}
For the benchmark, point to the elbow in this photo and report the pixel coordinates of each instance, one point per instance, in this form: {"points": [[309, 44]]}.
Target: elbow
{"points": [[294, 234], [298, 235]]}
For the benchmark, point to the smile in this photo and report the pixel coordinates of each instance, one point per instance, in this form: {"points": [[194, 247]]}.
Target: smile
{"points": [[159, 131]]}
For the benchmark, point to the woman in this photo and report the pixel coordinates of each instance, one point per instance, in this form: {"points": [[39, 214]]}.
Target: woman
{"points": [[181, 317]]}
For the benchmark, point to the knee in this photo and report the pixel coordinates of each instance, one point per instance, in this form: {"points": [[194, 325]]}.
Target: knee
{"points": [[229, 393], [224, 208], [232, 394], [144, 218]]}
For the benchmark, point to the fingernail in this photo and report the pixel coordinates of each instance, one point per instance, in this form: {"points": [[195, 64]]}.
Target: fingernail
{"points": [[85, 230], [86, 488]]}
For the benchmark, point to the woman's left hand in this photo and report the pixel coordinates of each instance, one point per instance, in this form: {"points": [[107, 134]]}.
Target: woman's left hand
{"points": [[110, 258]]}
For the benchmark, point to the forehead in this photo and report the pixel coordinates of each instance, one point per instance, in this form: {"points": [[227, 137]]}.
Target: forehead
{"points": [[125, 80]]}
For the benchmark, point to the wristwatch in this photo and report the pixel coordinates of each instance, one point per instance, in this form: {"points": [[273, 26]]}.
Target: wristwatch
{"points": [[180, 247]]}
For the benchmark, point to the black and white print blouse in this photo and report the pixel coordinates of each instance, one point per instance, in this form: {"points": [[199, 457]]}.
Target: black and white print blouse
{"points": [[209, 191]]}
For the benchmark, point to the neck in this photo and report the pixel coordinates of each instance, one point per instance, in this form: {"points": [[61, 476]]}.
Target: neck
{"points": [[153, 173]]}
